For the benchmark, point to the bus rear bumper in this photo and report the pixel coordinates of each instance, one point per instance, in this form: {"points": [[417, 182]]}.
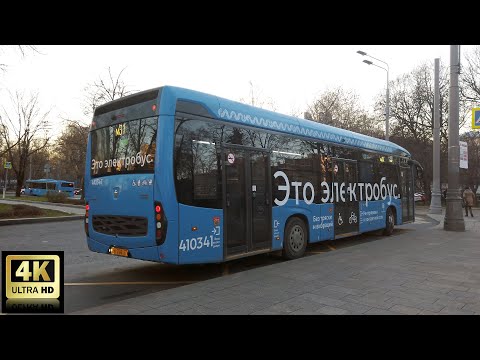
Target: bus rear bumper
{"points": [[145, 253]]}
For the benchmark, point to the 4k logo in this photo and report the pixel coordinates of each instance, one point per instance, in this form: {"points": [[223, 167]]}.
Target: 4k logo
{"points": [[32, 281]]}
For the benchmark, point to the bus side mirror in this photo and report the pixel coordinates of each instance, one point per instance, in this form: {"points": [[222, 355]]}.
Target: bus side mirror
{"points": [[418, 169]]}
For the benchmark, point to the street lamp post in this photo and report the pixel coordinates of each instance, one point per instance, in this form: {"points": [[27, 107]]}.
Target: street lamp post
{"points": [[387, 107], [453, 214]]}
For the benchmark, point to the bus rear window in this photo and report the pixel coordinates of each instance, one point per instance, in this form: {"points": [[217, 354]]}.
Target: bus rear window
{"points": [[64, 184], [124, 148]]}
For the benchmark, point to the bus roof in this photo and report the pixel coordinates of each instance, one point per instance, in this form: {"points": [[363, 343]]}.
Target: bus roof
{"points": [[49, 180], [236, 112]]}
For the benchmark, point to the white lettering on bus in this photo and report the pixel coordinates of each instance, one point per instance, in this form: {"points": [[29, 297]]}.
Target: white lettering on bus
{"points": [[336, 192], [312, 191], [285, 188], [137, 159]]}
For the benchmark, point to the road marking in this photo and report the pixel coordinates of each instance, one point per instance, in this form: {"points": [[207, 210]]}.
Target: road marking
{"points": [[330, 247], [130, 283]]}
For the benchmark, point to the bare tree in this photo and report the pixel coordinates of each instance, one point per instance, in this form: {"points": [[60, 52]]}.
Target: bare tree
{"points": [[470, 77], [24, 131], [341, 108], [256, 98], [23, 49], [104, 90], [412, 111], [69, 152]]}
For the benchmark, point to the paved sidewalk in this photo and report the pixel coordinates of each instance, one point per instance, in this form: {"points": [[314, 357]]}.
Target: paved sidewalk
{"points": [[471, 223], [67, 209], [421, 270]]}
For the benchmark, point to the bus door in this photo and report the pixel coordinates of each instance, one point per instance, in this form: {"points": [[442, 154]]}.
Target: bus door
{"points": [[406, 188], [346, 218], [247, 200]]}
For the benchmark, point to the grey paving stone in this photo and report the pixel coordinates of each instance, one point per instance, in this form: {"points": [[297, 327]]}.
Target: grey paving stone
{"points": [[192, 311], [302, 304], [407, 310], [235, 311], [416, 303], [454, 311], [376, 311], [355, 308], [475, 307], [451, 304], [319, 299], [342, 289], [268, 312], [162, 311], [463, 294], [427, 312], [331, 310], [368, 301], [329, 293], [284, 308]]}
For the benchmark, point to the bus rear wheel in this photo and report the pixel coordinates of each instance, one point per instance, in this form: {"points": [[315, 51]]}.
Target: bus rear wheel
{"points": [[294, 239], [389, 223]]}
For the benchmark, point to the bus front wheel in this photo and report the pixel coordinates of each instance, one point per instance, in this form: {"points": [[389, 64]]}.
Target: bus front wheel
{"points": [[295, 239], [389, 223]]}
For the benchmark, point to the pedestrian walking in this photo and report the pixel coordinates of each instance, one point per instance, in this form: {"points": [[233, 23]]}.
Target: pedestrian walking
{"points": [[469, 198]]}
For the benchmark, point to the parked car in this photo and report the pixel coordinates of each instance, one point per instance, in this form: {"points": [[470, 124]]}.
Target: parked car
{"points": [[419, 197]]}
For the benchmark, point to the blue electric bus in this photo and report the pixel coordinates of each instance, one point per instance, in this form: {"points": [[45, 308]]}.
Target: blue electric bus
{"points": [[40, 187], [178, 176]]}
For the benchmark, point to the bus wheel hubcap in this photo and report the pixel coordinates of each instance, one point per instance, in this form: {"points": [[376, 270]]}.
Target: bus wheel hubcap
{"points": [[296, 238]]}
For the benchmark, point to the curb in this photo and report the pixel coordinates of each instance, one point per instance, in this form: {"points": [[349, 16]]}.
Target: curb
{"points": [[40, 220], [47, 203]]}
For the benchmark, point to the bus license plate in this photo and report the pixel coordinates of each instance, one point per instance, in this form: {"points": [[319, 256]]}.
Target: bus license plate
{"points": [[118, 251]]}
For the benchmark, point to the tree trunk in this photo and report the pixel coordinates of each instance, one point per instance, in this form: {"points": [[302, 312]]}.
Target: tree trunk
{"points": [[20, 178]]}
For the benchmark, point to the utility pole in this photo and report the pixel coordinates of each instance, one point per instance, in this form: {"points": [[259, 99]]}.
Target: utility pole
{"points": [[436, 201], [387, 112], [453, 214]]}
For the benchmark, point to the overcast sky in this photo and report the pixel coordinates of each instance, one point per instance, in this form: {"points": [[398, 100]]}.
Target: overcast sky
{"points": [[291, 76]]}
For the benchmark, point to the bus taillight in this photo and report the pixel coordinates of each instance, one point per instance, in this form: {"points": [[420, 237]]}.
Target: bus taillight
{"points": [[160, 224], [87, 207]]}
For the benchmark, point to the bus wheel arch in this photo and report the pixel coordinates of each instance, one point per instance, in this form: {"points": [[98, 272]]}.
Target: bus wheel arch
{"points": [[390, 220], [296, 237]]}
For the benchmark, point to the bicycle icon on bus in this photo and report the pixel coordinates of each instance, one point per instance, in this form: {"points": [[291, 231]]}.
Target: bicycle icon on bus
{"points": [[352, 218]]}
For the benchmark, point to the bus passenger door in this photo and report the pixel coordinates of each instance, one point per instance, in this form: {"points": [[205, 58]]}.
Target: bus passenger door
{"points": [[346, 204], [260, 199], [406, 188], [247, 207]]}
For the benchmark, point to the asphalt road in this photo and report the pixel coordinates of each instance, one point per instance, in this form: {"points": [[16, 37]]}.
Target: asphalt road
{"points": [[93, 279]]}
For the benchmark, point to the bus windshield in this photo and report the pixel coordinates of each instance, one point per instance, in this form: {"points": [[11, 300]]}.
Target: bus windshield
{"points": [[127, 147]]}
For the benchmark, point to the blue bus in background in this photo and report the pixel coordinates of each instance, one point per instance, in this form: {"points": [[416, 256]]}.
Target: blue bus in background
{"points": [[40, 187], [178, 176]]}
